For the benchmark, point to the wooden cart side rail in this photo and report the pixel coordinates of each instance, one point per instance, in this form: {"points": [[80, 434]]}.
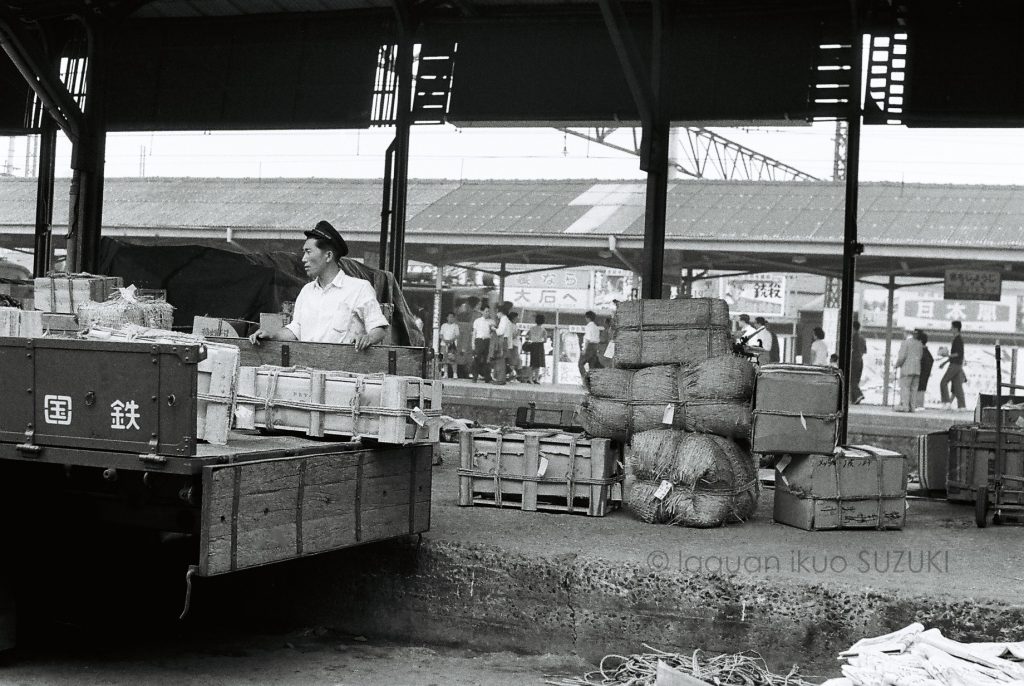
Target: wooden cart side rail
{"points": [[389, 359], [261, 512]]}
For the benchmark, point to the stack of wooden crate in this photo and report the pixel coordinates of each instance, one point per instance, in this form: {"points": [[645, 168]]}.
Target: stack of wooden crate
{"points": [[818, 484], [64, 293], [390, 409], [549, 471]]}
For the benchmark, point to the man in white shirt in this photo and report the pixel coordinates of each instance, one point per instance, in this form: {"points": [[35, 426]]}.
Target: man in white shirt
{"points": [[333, 307], [482, 327], [506, 334], [591, 343]]}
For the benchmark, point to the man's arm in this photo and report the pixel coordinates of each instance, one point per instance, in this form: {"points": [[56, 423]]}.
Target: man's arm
{"points": [[283, 334], [375, 336]]}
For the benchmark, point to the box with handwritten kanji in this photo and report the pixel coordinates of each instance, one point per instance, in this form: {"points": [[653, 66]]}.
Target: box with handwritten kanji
{"points": [[856, 487]]}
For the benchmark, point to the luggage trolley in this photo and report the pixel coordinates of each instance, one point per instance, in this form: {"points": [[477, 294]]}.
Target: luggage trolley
{"points": [[1002, 493]]}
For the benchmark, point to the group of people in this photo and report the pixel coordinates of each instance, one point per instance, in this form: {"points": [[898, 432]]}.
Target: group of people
{"points": [[915, 363], [494, 344], [757, 340]]}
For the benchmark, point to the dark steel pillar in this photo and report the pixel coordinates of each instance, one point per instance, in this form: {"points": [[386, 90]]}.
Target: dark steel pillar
{"points": [[403, 126], [851, 246], [87, 161], [648, 87], [44, 197]]}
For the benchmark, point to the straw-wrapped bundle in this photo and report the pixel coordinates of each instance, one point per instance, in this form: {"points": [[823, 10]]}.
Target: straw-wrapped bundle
{"points": [[710, 396], [125, 307], [721, 377], [714, 481], [653, 332], [626, 401]]}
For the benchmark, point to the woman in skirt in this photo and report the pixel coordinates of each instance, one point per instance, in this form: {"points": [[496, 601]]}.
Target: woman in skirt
{"points": [[536, 337]]}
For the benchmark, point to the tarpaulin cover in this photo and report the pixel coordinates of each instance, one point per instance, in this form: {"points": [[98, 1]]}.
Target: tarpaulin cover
{"points": [[232, 283]]}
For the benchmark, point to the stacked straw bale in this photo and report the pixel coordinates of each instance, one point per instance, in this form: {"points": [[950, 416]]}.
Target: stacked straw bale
{"points": [[124, 308], [655, 332], [684, 400], [710, 396], [713, 480]]}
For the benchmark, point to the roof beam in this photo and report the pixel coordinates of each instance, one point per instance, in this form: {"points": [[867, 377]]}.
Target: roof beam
{"points": [[34, 68]]}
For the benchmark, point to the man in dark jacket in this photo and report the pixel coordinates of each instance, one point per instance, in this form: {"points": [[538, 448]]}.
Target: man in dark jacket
{"points": [[955, 373]]}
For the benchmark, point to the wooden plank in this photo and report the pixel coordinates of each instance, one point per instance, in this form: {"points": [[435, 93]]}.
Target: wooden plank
{"points": [[256, 513], [408, 360]]}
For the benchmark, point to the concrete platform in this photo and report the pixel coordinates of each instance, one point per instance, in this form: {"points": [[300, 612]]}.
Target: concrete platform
{"points": [[540, 583], [493, 404]]}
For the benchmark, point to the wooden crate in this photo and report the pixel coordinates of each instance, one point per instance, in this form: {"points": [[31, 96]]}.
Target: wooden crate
{"points": [[397, 360], [65, 292], [390, 409], [260, 512], [20, 323], [972, 452], [539, 470]]}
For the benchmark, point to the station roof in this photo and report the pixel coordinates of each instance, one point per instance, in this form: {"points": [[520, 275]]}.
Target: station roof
{"points": [[907, 229]]}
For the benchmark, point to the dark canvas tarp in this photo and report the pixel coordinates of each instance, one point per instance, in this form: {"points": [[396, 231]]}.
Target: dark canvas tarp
{"points": [[232, 283]]}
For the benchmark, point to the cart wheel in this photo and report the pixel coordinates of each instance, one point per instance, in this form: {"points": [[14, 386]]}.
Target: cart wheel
{"points": [[981, 507]]}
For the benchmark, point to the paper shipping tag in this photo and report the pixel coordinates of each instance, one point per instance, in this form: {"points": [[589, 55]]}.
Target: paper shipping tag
{"points": [[669, 414], [803, 422], [663, 490], [543, 468], [418, 416], [609, 352]]}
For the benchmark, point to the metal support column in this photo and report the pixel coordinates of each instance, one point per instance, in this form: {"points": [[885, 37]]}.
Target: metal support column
{"points": [[648, 87], [44, 197], [87, 161], [403, 125], [851, 246], [887, 365]]}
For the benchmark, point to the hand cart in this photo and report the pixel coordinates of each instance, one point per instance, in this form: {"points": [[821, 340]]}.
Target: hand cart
{"points": [[1002, 493]]}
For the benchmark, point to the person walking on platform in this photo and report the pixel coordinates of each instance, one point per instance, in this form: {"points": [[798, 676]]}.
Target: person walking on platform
{"points": [[449, 344], [858, 348], [955, 373], [909, 364], [591, 342], [483, 326], [536, 337], [819, 350]]}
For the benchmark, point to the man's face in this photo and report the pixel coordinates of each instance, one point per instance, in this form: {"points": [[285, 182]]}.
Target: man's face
{"points": [[451, 318], [314, 260]]}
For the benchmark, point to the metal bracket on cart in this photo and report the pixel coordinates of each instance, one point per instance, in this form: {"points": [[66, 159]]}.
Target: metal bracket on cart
{"points": [[29, 448], [151, 457]]}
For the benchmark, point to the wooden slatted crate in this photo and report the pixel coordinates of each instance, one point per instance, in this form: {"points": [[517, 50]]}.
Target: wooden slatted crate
{"points": [[17, 323], [65, 292], [390, 409], [540, 470]]}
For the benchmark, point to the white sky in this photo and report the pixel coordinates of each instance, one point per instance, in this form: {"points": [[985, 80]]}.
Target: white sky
{"points": [[888, 153]]}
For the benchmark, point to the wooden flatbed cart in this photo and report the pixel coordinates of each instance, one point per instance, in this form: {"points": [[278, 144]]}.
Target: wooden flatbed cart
{"points": [[999, 488], [258, 500]]}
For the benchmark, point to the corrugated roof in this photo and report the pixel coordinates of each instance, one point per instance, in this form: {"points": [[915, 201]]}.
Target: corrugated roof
{"points": [[933, 221]]}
